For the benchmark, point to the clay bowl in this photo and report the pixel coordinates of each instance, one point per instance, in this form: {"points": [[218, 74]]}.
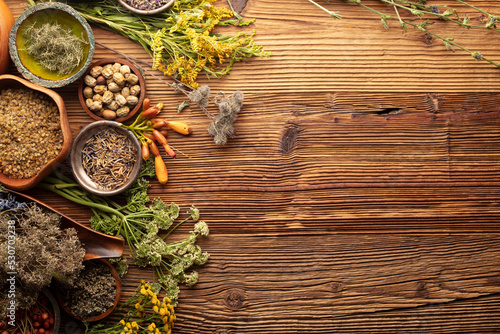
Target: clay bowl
{"points": [[97, 245], [49, 12], [97, 316], [11, 81], [134, 70], [146, 12]]}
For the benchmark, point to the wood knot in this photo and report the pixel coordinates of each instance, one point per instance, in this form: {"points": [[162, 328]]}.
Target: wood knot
{"points": [[234, 298], [289, 137], [336, 286]]}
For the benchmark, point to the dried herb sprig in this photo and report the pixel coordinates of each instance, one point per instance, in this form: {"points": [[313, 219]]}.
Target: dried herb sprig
{"points": [[421, 10], [55, 47], [144, 227], [42, 250]]}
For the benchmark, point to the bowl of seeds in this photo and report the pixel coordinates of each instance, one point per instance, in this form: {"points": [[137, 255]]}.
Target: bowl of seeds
{"points": [[51, 44], [34, 133], [146, 7], [112, 89], [105, 158]]}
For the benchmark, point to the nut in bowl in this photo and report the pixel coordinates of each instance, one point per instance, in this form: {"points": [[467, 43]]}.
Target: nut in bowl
{"points": [[112, 89], [34, 133], [106, 158]]}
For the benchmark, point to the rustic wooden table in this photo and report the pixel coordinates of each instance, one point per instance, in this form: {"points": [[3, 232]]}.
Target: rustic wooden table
{"points": [[361, 193]]}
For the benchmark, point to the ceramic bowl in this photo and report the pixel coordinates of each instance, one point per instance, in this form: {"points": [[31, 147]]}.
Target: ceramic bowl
{"points": [[11, 81], [77, 162], [49, 12], [146, 12], [134, 70], [64, 306]]}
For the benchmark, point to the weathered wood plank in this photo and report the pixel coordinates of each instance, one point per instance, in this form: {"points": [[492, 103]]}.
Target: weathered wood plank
{"points": [[326, 283]]}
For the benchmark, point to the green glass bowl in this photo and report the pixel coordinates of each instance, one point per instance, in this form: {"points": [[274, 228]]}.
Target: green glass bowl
{"points": [[49, 12]]}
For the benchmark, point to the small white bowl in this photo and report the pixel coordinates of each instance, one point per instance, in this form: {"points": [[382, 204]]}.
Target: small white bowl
{"points": [[76, 157], [146, 12]]}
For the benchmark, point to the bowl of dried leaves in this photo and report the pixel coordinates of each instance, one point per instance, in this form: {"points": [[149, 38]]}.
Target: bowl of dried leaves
{"points": [[146, 7], [34, 133], [106, 158], [94, 294], [51, 44]]}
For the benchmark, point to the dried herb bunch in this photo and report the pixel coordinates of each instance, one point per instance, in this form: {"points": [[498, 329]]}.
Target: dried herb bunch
{"points": [[180, 40], [144, 226], [420, 9], [55, 47], [42, 250]]}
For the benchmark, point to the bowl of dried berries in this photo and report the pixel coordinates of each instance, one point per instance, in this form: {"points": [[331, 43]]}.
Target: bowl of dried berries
{"points": [[112, 89], [34, 133], [146, 7], [106, 158], [94, 294], [51, 44]]}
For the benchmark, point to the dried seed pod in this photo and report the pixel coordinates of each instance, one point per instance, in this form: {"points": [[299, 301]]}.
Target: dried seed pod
{"points": [[122, 112], [100, 89], [107, 97], [95, 106], [88, 102], [109, 114], [88, 92], [116, 67], [132, 100], [132, 79], [107, 72], [90, 81], [125, 91], [119, 79], [113, 105], [124, 69], [120, 100], [101, 80], [135, 90], [97, 97], [113, 87], [96, 71]]}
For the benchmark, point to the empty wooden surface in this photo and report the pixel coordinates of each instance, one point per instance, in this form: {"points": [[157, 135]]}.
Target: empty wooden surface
{"points": [[361, 193]]}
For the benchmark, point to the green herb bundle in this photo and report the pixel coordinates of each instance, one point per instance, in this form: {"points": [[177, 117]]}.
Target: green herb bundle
{"points": [[144, 225], [398, 11], [180, 40]]}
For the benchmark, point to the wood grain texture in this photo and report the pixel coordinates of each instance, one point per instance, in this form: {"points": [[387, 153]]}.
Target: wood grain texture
{"points": [[361, 193]]}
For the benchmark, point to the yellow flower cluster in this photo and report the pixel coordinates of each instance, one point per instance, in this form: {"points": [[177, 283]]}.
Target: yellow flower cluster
{"points": [[159, 316]]}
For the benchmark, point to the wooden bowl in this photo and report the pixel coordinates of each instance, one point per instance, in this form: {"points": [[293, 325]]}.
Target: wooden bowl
{"points": [[141, 83], [146, 12], [109, 310], [11, 81], [97, 245], [49, 12]]}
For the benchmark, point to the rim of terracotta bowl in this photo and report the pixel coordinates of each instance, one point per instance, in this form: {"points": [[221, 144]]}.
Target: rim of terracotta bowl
{"points": [[109, 310], [12, 81], [146, 12], [76, 158], [142, 83], [25, 72]]}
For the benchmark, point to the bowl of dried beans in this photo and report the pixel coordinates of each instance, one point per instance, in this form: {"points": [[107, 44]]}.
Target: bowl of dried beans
{"points": [[34, 133]]}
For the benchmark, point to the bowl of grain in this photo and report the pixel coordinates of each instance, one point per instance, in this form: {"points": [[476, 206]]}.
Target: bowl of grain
{"points": [[105, 158], [34, 133], [146, 7], [112, 89], [51, 44]]}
